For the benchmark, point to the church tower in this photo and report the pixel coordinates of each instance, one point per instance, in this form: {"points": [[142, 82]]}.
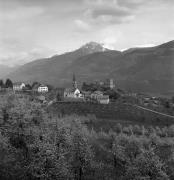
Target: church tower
{"points": [[74, 82]]}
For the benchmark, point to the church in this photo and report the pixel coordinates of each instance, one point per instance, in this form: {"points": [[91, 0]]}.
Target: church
{"points": [[73, 92]]}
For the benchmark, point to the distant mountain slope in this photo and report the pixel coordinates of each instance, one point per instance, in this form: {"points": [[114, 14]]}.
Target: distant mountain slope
{"points": [[49, 69], [5, 70], [139, 69]]}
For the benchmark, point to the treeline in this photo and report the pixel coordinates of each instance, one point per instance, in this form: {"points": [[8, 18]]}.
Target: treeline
{"points": [[36, 145], [7, 84]]}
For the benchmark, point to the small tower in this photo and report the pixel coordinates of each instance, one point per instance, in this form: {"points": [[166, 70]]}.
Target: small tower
{"points": [[74, 82], [109, 83]]}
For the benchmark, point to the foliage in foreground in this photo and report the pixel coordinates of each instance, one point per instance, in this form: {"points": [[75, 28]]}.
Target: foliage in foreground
{"points": [[36, 145]]}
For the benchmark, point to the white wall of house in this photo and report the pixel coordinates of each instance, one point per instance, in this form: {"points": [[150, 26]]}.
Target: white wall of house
{"points": [[18, 87], [43, 89]]}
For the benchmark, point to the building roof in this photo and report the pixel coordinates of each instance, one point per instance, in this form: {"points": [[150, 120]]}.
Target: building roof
{"points": [[71, 90], [18, 83], [42, 85], [98, 92], [36, 86]]}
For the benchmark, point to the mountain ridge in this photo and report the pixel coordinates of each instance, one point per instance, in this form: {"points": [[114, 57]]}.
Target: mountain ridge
{"points": [[140, 66]]}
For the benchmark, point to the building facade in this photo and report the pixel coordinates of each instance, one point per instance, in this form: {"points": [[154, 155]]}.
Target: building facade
{"points": [[18, 86], [109, 83], [42, 88]]}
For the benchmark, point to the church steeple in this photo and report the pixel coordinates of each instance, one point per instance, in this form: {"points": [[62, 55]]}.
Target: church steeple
{"points": [[74, 82]]}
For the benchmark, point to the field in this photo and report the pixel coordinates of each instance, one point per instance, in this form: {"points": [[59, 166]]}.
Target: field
{"points": [[109, 115]]}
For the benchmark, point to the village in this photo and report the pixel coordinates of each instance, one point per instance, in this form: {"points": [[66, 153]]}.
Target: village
{"points": [[72, 94], [98, 92]]}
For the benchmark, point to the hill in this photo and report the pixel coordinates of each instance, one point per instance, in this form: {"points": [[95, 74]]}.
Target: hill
{"points": [[5, 70], [137, 69]]}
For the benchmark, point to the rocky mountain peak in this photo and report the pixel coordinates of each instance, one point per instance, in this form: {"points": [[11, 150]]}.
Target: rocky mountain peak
{"points": [[93, 47]]}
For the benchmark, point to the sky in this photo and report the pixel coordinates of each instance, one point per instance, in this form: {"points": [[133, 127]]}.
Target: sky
{"points": [[33, 29]]}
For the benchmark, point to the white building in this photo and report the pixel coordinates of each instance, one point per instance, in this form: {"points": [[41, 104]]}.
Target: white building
{"points": [[18, 86], [72, 93], [42, 88], [103, 99]]}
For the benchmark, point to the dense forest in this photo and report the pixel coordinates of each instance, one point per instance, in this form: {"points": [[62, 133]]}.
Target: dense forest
{"points": [[38, 145]]}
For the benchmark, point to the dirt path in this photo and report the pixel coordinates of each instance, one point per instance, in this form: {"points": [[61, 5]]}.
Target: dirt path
{"points": [[156, 112]]}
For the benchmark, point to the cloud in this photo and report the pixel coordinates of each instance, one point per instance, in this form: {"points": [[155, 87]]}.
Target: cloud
{"points": [[9, 57], [27, 27], [20, 13], [82, 25], [110, 37], [117, 11], [13, 51], [107, 12]]}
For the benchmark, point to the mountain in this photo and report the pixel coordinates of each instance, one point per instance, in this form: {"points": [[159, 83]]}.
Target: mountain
{"points": [[138, 69], [49, 69], [5, 70]]}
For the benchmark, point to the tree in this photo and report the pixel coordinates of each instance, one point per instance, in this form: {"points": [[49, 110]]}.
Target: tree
{"points": [[8, 83], [112, 94], [81, 152], [1, 83], [50, 87], [28, 86], [35, 83], [147, 166]]}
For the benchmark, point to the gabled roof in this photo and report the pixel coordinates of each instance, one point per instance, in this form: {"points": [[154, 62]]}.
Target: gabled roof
{"points": [[71, 90]]}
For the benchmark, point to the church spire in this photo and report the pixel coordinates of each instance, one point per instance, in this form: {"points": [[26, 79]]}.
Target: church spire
{"points": [[74, 77], [74, 82]]}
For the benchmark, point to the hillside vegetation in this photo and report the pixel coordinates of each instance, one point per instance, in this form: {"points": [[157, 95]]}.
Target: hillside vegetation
{"points": [[36, 145]]}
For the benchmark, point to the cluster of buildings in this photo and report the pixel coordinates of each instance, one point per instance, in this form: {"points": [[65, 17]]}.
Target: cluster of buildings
{"points": [[72, 94], [75, 94], [20, 86], [108, 83]]}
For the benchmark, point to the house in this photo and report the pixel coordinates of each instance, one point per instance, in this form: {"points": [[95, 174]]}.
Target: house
{"points": [[42, 88], [72, 93], [96, 94], [109, 83], [18, 86], [87, 95], [103, 99]]}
